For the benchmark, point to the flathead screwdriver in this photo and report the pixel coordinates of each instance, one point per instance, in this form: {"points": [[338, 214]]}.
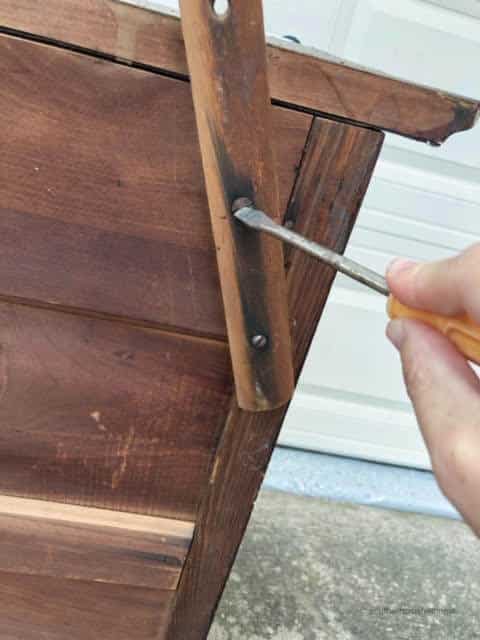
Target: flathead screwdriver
{"points": [[461, 330]]}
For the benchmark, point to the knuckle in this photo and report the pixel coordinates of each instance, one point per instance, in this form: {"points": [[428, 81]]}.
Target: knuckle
{"points": [[467, 264], [467, 276], [472, 252], [416, 374], [454, 458]]}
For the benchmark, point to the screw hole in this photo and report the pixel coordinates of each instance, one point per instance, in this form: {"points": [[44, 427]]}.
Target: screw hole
{"points": [[221, 7]]}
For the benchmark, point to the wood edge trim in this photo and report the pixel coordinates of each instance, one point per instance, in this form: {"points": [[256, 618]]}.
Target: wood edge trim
{"points": [[275, 42], [465, 110], [73, 47]]}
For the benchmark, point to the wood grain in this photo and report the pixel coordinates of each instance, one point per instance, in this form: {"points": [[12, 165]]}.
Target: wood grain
{"points": [[38, 607], [234, 121], [102, 184], [49, 539], [300, 77], [335, 174], [324, 206], [100, 413]]}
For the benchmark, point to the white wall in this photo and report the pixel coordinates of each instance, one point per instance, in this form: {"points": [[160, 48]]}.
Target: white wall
{"points": [[423, 203]]}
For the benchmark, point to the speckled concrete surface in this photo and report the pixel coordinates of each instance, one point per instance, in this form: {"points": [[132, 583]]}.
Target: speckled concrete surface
{"points": [[315, 570]]}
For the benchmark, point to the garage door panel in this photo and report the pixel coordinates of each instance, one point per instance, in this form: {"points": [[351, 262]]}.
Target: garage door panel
{"points": [[423, 203]]}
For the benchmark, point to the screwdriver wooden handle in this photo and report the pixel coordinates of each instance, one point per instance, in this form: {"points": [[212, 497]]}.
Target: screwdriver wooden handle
{"points": [[461, 330]]}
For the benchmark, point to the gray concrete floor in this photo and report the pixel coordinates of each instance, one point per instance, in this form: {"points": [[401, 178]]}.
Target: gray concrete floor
{"points": [[310, 569]]}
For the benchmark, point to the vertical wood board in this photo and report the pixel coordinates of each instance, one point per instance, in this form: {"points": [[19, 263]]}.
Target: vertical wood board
{"points": [[334, 177]]}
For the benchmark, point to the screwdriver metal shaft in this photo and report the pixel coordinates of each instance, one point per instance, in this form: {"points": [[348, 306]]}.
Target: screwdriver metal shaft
{"points": [[256, 219], [461, 330]]}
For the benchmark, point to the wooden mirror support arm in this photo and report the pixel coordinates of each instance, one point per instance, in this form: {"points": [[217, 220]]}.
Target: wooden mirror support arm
{"points": [[228, 65]]}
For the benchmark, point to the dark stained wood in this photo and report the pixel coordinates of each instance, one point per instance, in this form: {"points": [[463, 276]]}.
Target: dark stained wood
{"points": [[100, 413], [103, 210], [95, 545], [324, 206], [334, 177], [103, 204], [320, 83], [234, 121], [38, 607], [298, 76]]}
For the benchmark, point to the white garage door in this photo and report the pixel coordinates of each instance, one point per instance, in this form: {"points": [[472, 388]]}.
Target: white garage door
{"points": [[423, 203]]}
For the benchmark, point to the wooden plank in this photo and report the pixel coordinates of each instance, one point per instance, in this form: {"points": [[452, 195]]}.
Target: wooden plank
{"points": [[335, 174], [95, 545], [100, 413], [324, 207], [102, 183], [34, 607], [299, 76], [233, 113]]}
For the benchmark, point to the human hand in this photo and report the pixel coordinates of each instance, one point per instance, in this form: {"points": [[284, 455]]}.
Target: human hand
{"points": [[444, 389]]}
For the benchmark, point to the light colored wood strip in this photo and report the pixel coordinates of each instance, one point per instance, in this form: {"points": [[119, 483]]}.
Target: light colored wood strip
{"points": [[50, 539], [299, 76], [56, 511]]}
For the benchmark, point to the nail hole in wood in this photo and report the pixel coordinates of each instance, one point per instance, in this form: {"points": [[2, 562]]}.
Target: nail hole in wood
{"points": [[221, 7]]}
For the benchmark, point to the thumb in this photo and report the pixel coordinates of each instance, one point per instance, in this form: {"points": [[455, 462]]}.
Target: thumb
{"points": [[445, 393]]}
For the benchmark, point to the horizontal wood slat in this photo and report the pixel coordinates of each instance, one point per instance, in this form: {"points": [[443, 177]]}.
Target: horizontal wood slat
{"points": [[38, 607], [298, 76], [100, 413], [103, 203], [50, 539]]}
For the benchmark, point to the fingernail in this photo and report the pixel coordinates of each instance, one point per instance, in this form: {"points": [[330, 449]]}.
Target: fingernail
{"points": [[396, 333], [398, 265]]}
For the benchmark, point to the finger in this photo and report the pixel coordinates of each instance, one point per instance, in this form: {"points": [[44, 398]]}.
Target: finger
{"points": [[449, 287], [446, 396]]}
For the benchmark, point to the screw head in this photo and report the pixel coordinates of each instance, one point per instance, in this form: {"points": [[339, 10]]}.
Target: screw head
{"points": [[240, 203], [259, 342]]}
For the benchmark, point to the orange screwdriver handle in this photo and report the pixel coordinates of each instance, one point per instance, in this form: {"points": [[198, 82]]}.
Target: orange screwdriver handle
{"points": [[461, 330]]}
